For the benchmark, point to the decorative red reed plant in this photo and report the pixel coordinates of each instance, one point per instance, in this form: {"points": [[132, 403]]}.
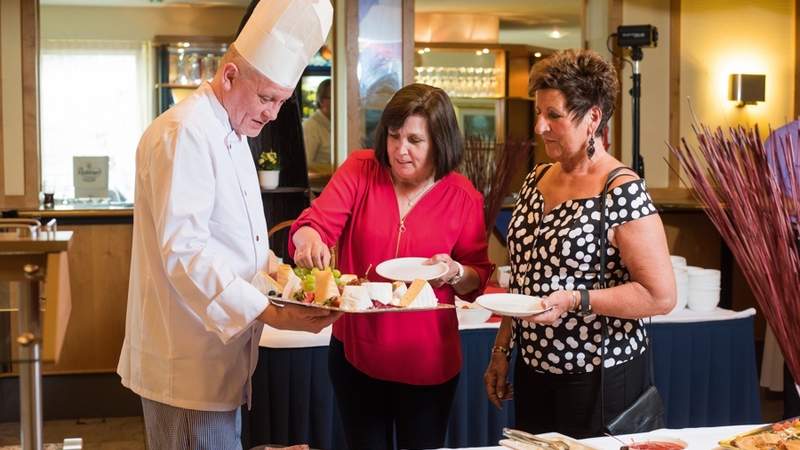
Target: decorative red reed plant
{"points": [[490, 166], [757, 217]]}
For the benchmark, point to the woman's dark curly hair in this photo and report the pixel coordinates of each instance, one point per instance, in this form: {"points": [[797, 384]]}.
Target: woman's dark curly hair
{"points": [[585, 79]]}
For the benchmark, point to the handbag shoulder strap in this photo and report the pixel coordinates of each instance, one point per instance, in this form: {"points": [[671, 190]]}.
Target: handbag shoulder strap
{"points": [[613, 175], [538, 176], [603, 249]]}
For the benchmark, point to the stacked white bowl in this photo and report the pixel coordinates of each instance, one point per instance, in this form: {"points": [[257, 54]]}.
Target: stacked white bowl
{"points": [[681, 282], [704, 289]]}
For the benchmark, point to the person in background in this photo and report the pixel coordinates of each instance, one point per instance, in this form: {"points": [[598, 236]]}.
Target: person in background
{"points": [[397, 373], [317, 131], [194, 320], [554, 253], [776, 144]]}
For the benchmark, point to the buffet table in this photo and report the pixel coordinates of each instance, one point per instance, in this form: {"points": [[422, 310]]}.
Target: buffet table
{"points": [[705, 369]]}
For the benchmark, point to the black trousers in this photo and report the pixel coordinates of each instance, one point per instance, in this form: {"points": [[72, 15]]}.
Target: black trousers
{"points": [[373, 410], [570, 403]]}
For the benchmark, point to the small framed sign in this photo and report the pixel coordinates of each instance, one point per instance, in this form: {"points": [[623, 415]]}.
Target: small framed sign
{"points": [[90, 176]]}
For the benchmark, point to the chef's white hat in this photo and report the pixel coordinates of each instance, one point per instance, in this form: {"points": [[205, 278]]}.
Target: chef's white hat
{"points": [[281, 36]]}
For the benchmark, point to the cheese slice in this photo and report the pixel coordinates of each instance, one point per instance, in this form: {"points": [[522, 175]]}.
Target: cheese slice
{"points": [[380, 291], [265, 283], [399, 289], [356, 298], [412, 292], [272, 284], [325, 286], [293, 284], [425, 298], [283, 273]]}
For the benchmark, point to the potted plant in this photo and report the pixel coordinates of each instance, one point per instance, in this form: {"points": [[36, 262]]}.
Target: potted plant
{"points": [[269, 169]]}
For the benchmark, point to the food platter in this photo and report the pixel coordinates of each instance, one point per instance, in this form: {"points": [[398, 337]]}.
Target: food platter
{"points": [[278, 301], [783, 435]]}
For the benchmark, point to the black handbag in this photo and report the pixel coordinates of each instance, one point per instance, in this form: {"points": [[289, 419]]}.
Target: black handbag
{"points": [[647, 412]]}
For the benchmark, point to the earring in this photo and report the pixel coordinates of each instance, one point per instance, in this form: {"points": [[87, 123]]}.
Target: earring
{"points": [[590, 147]]}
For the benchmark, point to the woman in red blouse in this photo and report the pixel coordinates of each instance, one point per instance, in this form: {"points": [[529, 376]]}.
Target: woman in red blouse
{"points": [[397, 373]]}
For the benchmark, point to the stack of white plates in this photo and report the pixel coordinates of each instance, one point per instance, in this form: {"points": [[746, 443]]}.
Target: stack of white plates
{"points": [[681, 282], [703, 289]]}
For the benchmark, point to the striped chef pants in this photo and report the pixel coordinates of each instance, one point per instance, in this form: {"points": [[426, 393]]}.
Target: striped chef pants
{"points": [[172, 428]]}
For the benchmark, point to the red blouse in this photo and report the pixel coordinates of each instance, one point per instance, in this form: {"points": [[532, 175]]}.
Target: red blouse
{"points": [[358, 212]]}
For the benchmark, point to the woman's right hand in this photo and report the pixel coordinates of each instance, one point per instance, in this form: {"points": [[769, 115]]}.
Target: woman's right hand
{"points": [[310, 251], [496, 380]]}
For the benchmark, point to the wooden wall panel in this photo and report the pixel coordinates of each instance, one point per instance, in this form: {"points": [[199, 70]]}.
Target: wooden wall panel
{"points": [[674, 87], [615, 20], [28, 12], [99, 269]]}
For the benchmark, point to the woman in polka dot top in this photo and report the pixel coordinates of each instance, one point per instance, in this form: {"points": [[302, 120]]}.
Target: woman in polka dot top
{"points": [[554, 249]]}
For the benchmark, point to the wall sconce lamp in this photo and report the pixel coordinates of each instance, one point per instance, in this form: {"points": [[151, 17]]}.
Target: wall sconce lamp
{"points": [[747, 89]]}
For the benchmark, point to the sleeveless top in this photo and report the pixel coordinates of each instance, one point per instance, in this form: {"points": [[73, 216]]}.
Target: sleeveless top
{"points": [[559, 251]]}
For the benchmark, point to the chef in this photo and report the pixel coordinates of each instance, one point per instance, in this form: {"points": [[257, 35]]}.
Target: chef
{"points": [[194, 319]]}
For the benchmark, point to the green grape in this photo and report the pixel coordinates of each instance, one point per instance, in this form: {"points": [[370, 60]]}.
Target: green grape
{"points": [[336, 273], [314, 270], [309, 286], [309, 278]]}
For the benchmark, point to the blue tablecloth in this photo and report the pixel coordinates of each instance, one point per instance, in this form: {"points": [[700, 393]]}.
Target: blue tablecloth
{"points": [[705, 371]]}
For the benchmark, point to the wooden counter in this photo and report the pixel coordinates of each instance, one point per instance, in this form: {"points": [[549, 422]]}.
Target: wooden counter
{"points": [[79, 212], [99, 261]]}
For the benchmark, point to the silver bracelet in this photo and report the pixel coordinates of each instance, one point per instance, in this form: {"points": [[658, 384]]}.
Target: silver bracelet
{"points": [[458, 276]]}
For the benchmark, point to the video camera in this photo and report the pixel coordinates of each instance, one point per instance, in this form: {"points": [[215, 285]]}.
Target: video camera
{"points": [[637, 36]]}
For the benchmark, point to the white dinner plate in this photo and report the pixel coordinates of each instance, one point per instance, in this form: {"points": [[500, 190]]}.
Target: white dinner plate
{"points": [[512, 305], [410, 269]]}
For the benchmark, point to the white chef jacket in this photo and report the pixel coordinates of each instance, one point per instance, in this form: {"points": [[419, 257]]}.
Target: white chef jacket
{"points": [[199, 236]]}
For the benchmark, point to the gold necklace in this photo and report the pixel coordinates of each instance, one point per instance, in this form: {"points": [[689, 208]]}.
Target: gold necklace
{"points": [[411, 199]]}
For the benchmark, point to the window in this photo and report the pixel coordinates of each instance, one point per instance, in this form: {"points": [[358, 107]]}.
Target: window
{"points": [[95, 101]]}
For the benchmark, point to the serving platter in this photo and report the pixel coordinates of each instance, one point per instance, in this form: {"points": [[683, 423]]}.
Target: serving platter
{"points": [[278, 301], [791, 433]]}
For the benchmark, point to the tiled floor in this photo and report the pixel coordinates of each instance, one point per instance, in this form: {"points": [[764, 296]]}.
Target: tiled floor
{"points": [[124, 433]]}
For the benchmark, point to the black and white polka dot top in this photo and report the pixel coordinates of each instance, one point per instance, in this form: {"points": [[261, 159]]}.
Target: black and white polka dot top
{"points": [[559, 250]]}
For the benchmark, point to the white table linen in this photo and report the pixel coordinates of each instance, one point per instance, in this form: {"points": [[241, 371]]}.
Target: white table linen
{"points": [[696, 438], [273, 338]]}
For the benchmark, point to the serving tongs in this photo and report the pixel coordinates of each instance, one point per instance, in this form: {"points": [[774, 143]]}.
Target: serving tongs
{"points": [[527, 438]]}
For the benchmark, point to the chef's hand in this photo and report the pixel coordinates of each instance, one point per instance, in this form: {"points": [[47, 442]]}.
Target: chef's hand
{"points": [[452, 268], [561, 301], [496, 380], [310, 251], [299, 318]]}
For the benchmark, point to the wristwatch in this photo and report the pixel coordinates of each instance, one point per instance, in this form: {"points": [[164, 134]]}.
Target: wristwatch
{"points": [[586, 306], [458, 276]]}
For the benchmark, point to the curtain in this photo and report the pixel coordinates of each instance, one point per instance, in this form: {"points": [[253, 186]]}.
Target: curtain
{"points": [[96, 100]]}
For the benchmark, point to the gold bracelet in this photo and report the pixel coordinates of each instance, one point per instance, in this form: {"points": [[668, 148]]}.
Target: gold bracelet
{"points": [[500, 349], [576, 301]]}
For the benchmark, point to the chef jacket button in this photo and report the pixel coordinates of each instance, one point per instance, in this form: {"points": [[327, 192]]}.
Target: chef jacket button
{"points": [[257, 238]]}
